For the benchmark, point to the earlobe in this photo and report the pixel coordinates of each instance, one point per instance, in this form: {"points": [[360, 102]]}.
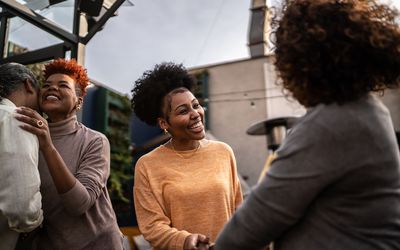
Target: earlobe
{"points": [[79, 103], [162, 123]]}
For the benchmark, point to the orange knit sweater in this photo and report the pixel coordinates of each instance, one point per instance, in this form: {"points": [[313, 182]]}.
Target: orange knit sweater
{"points": [[176, 196]]}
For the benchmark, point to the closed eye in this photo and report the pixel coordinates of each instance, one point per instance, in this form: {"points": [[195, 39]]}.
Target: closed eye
{"points": [[64, 86]]}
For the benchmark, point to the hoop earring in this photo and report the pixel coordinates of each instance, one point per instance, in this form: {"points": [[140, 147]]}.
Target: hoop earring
{"points": [[165, 131]]}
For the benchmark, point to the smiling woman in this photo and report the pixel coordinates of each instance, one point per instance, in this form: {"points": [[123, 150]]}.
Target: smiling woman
{"points": [[59, 99], [74, 166], [186, 189]]}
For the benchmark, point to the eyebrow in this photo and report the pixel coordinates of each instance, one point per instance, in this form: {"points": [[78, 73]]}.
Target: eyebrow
{"points": [[194, 99], [61, 81]]}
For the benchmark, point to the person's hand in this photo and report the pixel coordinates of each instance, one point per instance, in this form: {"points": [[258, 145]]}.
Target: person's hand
{"points": [[196, 242], [35, 124], [205, 246]]}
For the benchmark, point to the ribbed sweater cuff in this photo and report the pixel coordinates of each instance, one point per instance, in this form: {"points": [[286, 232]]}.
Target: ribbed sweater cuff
{"points": [[180, 240]]}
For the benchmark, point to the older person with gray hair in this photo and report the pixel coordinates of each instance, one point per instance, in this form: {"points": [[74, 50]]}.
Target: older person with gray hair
{"points": [[20, 199]]}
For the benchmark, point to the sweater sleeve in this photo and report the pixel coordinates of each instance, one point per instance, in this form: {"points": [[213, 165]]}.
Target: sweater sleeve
{"points": [[305, 165], [154, 224], [235, 180], [91, 175]]}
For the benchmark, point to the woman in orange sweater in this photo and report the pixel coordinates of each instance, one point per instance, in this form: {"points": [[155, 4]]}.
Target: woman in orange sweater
{"points": [[188, 188]]}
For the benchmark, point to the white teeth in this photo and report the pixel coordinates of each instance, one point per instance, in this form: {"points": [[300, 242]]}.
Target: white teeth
{"points": [[51, 98], [196, 125]]}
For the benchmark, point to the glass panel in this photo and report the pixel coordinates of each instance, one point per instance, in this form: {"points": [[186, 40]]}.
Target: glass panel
{"points": [[24, 37], [128, 3], [60, 12]]}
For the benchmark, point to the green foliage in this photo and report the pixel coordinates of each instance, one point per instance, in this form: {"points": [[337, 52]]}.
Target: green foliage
{"points": [[37, 70], [121, 160]]}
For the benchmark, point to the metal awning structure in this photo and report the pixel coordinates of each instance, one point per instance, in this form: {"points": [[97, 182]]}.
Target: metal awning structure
{"points": [[63, 40]]}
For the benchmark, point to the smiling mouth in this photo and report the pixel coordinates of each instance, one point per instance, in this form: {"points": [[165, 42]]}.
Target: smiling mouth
{"points": [[196, 125], [52, 98]]}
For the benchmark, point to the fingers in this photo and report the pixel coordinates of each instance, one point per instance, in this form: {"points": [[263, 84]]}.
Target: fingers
{"points": [[203, 238], [202, 242], [30, 117], [29, 125], [202, 246], [26, 119], [196, 242], [27, 111], [190, 242], [32, 121]]}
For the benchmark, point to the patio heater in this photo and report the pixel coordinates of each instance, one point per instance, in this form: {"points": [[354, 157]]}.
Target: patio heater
{"points": [[275, 130]]}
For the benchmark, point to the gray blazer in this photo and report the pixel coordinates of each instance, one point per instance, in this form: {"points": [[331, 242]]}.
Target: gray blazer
{"points": [[335, 185]]}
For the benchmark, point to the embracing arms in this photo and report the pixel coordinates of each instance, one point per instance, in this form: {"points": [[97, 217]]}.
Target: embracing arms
{"points": [[78, 190]]}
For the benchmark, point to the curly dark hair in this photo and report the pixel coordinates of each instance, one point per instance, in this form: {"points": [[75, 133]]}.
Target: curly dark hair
{"points": [[70, 68], [336, 50], [150, 89]]}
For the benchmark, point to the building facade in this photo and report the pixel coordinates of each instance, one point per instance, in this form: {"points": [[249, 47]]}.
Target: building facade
{"points": [[242, 93]]}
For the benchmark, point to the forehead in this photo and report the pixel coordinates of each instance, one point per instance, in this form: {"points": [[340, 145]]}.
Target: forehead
{"points": [[60, 78], [180, 98]]}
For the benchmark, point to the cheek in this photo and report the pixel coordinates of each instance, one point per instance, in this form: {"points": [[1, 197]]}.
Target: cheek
{"points": [[201, 111], [180, 123], [72, 97], [40, 94]]}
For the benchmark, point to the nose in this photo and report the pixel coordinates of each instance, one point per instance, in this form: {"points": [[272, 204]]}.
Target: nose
{"points": [[54, 87], [194, 114]]}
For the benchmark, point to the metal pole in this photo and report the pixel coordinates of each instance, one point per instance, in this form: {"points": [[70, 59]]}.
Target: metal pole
{"points": [[3, 35]]}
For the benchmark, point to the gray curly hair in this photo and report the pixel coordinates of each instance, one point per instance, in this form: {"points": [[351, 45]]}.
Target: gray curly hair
{"points": [[12, 76]]}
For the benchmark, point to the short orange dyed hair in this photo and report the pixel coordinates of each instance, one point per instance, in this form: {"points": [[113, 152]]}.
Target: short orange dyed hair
{"points": [[70, 68]]}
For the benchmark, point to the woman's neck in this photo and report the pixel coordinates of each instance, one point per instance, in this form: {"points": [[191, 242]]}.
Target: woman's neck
{"points": [[184, 145], [57, 117]]}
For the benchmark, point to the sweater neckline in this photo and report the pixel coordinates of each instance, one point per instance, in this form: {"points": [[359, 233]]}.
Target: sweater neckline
{"points": [[186, 152], [64, 127]]}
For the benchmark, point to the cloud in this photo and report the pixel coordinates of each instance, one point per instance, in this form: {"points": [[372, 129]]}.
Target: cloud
{"points": [[153, 31]]}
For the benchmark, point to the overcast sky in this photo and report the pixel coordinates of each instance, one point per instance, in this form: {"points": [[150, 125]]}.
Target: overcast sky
{"points": [[192, 32]]}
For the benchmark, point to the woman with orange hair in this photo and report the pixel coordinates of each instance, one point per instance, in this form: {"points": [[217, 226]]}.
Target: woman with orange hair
{"points": [[74, 166]]}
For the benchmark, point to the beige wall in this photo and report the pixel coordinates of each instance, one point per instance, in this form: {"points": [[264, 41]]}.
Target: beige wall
{"points": [[391, 99], [244, 92], [237, 99]]}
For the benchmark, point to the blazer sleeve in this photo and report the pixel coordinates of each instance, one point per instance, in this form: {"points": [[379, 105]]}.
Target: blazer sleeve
{"points": [[154, 224], [301, 170], [92, 175]]}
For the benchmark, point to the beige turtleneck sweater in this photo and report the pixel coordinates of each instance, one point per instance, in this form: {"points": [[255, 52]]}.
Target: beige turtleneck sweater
{"points": [[176, 196], [83, 217]]}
